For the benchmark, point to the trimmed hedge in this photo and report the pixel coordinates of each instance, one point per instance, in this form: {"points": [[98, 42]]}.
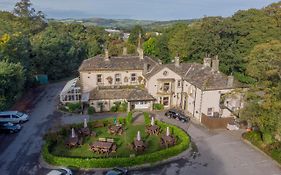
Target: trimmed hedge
{"points": [[124, 161], [146, 118]]}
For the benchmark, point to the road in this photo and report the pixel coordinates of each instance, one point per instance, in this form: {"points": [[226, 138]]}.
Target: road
{"points": [[214, 152]]}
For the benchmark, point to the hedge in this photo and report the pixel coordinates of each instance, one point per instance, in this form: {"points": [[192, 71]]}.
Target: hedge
{"points": [[124, 161], [146, 118]]}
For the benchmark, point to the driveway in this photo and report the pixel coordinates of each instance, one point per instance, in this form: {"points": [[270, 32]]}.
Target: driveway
{"points": [[20, 153], [214, 153]]}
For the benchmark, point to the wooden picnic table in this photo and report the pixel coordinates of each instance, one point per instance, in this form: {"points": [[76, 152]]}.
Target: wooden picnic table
{"points": [[72, 141], [168, 140], [152, 129], [115, 129], [85, 131], [103, 147], [139, 145]]}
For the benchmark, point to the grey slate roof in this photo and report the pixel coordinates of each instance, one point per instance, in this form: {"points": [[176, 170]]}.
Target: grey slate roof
{"points": [[134, 94], [116, 63], [202, 77]]}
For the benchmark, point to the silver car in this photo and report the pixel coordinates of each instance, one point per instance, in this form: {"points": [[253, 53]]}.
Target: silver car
{"points": [[13, 117]]}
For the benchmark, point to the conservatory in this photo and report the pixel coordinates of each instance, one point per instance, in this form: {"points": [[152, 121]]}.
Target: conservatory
{"points": [[71, 92]]}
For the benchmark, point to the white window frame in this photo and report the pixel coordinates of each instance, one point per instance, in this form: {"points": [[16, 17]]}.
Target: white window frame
{"points": [[133, 77], [118, 77]]}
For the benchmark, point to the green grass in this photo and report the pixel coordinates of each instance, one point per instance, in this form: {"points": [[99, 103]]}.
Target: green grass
{"points": [[123, 143]]}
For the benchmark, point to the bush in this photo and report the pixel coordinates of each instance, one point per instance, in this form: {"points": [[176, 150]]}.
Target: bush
{"points": [[267, 138], [157, 106], [73, 107], [113, 109], [91, 110], [146, 118], [119, 161], [129, 118], [254, 137]]}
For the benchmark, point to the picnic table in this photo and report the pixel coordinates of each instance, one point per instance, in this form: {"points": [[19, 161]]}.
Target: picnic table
{"points": [[73, 141], [168, 140], [153, 129], [85, 131], [103, 147], [138, 145], [115, 129]]}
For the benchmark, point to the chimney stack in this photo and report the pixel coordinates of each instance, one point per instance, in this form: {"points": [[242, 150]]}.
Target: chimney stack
{"points": [[140, 53], [230, 81], [207, 61], [215, 64], [145, 68], [177, 61], [106, 55], [125, 50]]}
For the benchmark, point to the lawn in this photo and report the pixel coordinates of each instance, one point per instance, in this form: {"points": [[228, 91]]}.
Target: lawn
{"points": [[123, 143]]}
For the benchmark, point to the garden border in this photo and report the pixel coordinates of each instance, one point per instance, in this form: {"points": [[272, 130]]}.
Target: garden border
{"points": [[141, 161]]}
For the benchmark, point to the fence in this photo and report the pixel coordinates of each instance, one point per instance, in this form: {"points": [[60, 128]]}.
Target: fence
{"points": [[215, 123]]}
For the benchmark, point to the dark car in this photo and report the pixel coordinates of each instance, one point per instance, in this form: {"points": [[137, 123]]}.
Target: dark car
{"points": [[176, 115], [117, 171], [9, 127]]}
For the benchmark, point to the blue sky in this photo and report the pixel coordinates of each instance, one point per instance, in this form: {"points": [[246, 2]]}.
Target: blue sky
{"points": [[139, 9]]}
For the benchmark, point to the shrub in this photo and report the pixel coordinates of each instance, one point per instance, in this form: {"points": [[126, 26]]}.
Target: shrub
{"points": [[113, 109], [254, 137], [123, 107], [129, 118], [146, 118], [73, 107], [267, 138], [91, 110], [157, 106]]}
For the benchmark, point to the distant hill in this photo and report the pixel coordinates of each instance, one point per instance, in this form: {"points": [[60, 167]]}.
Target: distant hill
{"points": [[123, 23]]}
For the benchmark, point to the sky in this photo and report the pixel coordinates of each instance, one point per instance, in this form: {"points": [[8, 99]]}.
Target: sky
{"points": [[139, 9]]}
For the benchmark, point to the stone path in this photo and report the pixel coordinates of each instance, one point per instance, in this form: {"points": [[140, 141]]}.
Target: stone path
{"points": [[138, 118]]}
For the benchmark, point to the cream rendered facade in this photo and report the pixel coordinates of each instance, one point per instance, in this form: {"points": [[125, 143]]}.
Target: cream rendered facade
{"points": [[186, 96], [164, 87], [89, 79]]}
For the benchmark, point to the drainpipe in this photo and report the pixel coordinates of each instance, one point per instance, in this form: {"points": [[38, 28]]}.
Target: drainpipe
{"points": [[194, 101]]}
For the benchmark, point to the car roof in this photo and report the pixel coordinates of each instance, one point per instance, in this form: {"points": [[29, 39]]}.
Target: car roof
{"points": [[54, 172], [8, 112]]}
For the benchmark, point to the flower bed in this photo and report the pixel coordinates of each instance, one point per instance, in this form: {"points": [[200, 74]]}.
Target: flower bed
{"points": [[153, 154]]}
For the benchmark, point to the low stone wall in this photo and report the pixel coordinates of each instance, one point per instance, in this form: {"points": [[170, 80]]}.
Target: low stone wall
{"points": [[215, 123]]}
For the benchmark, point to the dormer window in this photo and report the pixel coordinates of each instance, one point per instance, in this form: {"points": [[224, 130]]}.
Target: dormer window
{"points": [[133, 77], [117, 78], [99, 78]]}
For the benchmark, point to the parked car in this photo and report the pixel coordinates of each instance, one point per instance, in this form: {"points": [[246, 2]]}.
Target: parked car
{"points": [[117, 171], [9, 127], [60, 171], [13, 117], [176, 114]]}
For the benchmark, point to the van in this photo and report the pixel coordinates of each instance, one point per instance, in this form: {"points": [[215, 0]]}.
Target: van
{"points": [[13, 117]]}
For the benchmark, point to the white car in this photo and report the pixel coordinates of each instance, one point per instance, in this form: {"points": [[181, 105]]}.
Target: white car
{"points": [[60, 171], [13, 117]]}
